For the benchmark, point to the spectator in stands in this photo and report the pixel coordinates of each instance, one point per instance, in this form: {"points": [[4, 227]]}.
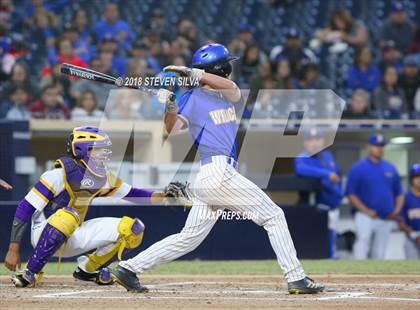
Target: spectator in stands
{"points": [[389, 99], [364, 73], [247, 66], [178, 47], [317, 163], [50, 106], [343, 28], [19, 99], [81, 46], [113, 27], [86, 109], [44, 29], [397, 28], [50, 6], [415, 43], [411, 215], [359, 106], [244, 38], [5, 42], [124, 104], [6, 9], [80, 21], [294, 52], [101, 90], [62, 84], [19, 77], [312, 78], [409, 80], [158, 25], [109, 48], [18, 50], [283, 78], [159, 48], [390, 57], [66, 53], [189, 31], [141, 52], [263, 79], [374, 190]]}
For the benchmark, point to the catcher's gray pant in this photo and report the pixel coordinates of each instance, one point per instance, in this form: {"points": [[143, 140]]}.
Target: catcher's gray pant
{"points": [[219, 185]]}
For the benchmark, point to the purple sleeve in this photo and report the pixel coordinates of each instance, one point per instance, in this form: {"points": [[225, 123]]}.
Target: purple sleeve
{"points": [[24, 211], [137, 193]]}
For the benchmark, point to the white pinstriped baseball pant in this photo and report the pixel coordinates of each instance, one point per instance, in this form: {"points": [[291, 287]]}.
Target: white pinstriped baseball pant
{"points": [[219, 185]]}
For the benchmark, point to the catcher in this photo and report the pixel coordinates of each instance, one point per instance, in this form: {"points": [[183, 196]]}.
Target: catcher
{"points": [[57, 206]]}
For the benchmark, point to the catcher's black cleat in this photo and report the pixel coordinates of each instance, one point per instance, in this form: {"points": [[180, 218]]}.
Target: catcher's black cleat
{"points": [[101, 277], [305, 286], [24, 278], [128, 279]]}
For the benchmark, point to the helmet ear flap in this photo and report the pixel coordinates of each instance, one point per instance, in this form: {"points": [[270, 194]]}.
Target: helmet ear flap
{"points": [[69, 147]]}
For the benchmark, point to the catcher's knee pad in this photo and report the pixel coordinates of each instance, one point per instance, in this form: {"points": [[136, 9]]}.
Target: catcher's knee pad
{"points": [[131, 233], [130, 236], [65, 220]]}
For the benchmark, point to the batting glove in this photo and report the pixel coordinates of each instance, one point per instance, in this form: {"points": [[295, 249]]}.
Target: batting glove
{"points": [[164, 97], [194, 73]]}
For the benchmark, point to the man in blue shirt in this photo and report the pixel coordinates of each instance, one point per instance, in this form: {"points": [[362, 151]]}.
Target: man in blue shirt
{"points": [[374, 189], [112, 27], [321, 164], [411, 215]]}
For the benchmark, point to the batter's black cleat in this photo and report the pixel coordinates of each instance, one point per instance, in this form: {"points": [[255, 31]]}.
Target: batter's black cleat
{"points": [[101, 277], [128, 279], [305, 286]]}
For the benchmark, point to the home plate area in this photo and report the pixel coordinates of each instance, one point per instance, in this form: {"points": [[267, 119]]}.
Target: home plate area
{"points": [[211, 291]]}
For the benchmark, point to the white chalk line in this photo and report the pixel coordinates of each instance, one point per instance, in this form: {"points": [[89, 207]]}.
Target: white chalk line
{"points": [[338, 296], [224, 283]]}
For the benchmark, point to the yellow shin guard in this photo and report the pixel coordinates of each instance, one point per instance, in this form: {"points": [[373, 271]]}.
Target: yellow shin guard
{"points": [[130, 236]]}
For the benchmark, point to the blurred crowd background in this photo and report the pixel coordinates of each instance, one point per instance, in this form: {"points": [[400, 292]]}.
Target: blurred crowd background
{"points": [[366, 51]]}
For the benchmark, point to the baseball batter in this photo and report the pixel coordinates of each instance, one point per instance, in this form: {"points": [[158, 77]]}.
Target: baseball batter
{"points": [[57, 206], [208, 112]]}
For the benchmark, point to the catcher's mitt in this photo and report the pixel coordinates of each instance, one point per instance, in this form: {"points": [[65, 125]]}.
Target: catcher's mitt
{"points": [[180, 191]]}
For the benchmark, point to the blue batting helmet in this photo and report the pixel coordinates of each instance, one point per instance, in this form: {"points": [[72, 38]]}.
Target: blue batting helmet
{"points": [[214, 58], [414, 171]]}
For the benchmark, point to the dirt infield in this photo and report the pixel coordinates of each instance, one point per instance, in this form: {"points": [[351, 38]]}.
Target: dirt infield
{"points": [[197, 292]]}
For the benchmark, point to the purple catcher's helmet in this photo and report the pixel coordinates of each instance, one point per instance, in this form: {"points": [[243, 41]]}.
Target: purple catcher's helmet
{"points": [[85, 138]]}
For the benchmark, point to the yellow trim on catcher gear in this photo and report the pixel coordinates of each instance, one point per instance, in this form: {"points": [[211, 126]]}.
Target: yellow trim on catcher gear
{"points": [[39, 194], [113, 181], [84, 136], [64, 221], [50, 188], [78, 202], [127, 239]]}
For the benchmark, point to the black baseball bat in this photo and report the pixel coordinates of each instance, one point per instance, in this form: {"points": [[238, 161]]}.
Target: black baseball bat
{"points": [[89, 74]]}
